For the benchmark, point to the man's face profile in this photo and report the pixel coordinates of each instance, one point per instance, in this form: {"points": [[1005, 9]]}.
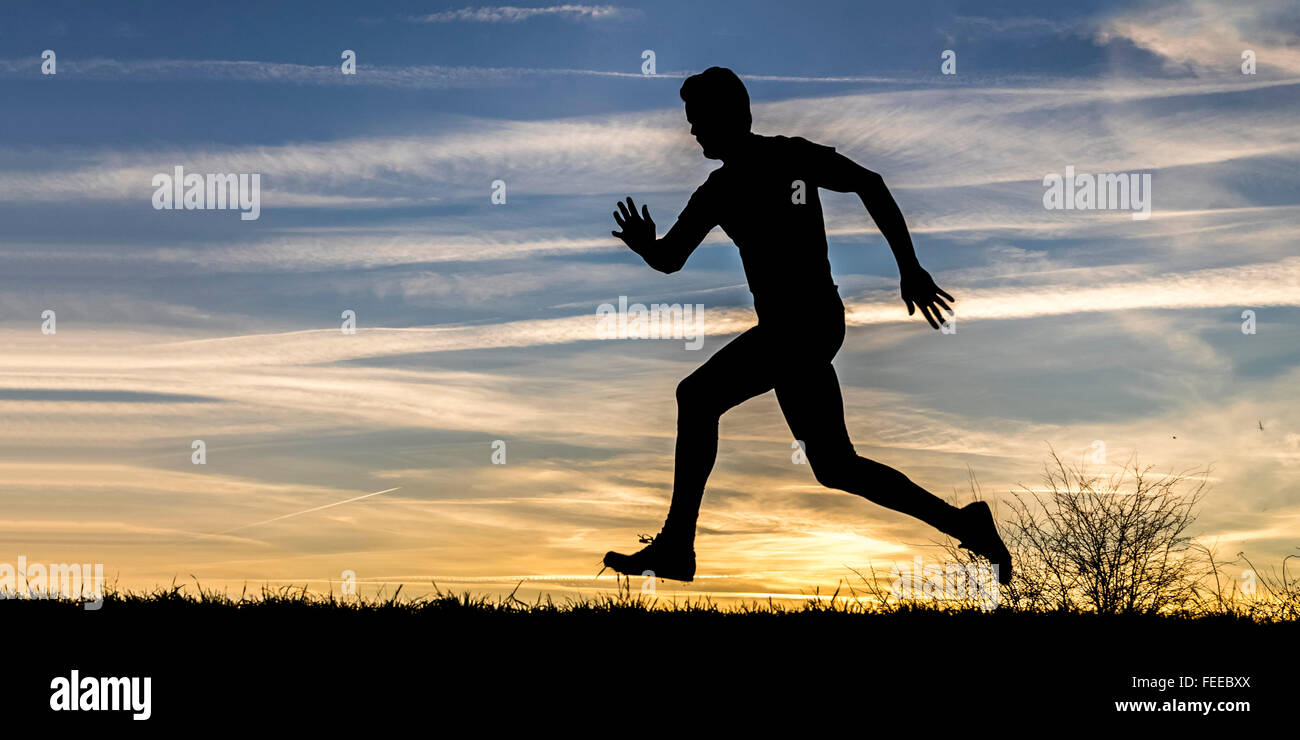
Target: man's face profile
{"points": [[714, 131]]}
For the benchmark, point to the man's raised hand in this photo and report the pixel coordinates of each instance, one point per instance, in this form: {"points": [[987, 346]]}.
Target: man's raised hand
{"points": [[919, 290], [638, 230]]}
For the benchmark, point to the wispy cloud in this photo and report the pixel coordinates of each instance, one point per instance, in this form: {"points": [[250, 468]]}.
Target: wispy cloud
{"points": [[1012, 26], [420, 77], [513, 14], [1208, 37], [1029, 133], [428, 77], [1254, 285]]}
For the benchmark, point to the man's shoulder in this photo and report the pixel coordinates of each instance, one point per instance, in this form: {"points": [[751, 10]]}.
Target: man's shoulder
{"points": [[706, 194], [714, 179], [793, 143]]}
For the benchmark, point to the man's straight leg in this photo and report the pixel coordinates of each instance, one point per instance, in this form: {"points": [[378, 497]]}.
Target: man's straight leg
{"points": [[734, 374]]}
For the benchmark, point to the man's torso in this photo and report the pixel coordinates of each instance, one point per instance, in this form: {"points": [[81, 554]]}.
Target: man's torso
{"points": [[769, 206]]}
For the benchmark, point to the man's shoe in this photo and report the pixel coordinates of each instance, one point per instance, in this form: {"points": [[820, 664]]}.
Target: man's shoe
{"points": [[979, 535], [659, 559]]}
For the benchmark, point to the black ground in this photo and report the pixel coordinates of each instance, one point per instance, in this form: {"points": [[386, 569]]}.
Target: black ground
{"points": [[293, 664]]}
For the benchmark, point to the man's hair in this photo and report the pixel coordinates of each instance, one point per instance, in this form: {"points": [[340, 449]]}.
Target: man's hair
{"points": [[720, 93]]}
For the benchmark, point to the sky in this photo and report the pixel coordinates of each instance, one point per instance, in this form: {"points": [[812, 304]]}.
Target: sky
{"points": [[475, 320]]}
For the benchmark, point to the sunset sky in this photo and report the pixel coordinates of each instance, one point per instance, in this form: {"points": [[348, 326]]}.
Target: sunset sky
{"points": [[477, 321]]}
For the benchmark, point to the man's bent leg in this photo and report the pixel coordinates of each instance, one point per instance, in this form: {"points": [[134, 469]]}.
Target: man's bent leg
{"points": [[811, 401]]}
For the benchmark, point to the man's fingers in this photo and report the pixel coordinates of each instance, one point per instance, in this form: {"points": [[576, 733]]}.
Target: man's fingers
{"points": [[925, 309], [645, 213], [623, 209], [911, 309], [943, 305], [619, 220], [944, 293], [925, 314]]}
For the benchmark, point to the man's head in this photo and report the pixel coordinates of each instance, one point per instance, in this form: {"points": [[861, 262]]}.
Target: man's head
{"points": [[717, 107]]}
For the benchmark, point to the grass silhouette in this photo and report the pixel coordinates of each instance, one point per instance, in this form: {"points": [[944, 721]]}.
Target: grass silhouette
{"points": [[210, 652]]}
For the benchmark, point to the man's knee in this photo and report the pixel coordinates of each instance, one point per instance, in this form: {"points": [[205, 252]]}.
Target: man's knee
{"points": [[692, 396], [834, 469]]}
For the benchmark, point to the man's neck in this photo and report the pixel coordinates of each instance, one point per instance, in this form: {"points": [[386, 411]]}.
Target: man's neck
{"points": [[742, 149]]}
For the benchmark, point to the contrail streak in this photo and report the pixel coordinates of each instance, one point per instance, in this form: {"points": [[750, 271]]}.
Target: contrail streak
{"points": [[298, 513]]}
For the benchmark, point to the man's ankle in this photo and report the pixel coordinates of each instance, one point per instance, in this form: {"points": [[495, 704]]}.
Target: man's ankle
{"points": [[677, 534], [956, 524]]}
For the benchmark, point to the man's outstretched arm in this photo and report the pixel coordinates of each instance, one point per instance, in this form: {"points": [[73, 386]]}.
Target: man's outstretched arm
{"points": [[666, 255], [918, 288]]}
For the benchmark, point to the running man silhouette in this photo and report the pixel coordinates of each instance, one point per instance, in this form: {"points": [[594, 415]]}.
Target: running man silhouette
{"points": [[755, 196]]}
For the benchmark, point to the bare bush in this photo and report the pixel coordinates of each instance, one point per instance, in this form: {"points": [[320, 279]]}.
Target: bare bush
{"points": [[1109, 544]]}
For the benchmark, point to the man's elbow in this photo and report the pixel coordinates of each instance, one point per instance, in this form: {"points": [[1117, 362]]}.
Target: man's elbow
{"points": [[671, 256], [870, 183], [660, 264]]}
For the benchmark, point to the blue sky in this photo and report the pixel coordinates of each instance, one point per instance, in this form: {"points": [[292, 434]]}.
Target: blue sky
{"points": [[476, 321]]}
